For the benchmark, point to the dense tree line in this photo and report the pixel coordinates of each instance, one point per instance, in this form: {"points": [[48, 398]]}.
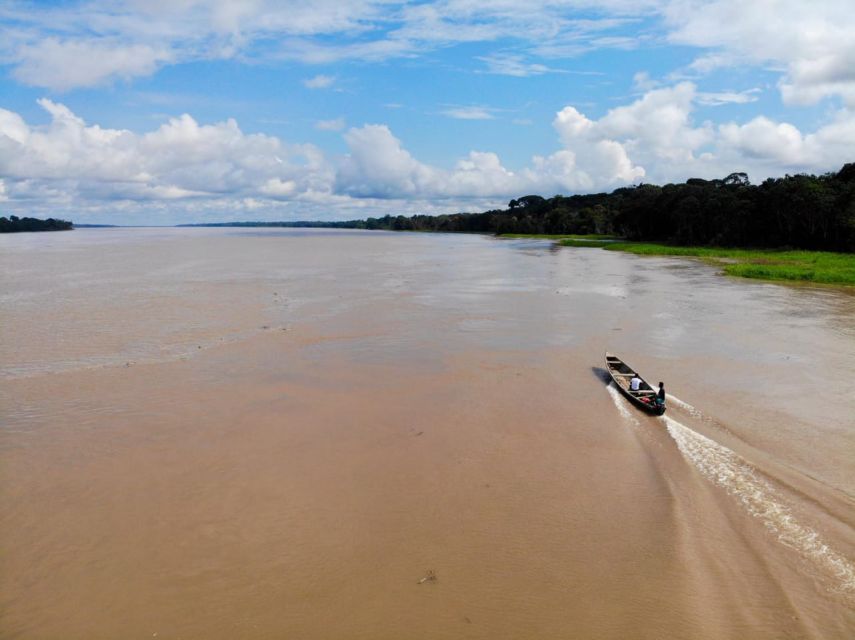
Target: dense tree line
{"points": [[799, 211], [14, 223]]}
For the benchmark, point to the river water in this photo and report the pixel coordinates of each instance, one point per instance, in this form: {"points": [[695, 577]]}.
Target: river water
{"points": [[236, 433]]}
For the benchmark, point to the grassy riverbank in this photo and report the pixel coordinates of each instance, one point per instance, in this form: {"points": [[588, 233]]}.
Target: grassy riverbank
{"points": [[823, 267]]}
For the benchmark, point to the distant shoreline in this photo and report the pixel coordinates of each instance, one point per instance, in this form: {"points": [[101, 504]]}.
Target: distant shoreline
{"points": [[14, 224]]}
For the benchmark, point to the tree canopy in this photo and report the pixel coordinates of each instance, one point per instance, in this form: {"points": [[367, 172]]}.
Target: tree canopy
{"points": [[14, 223], [799, 211]]}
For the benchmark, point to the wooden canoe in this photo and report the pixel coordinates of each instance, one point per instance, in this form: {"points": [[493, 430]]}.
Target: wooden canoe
{"points": [[621, 373]]}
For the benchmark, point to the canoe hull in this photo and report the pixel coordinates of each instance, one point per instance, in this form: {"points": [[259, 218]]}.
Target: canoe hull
{"points": [[619, 372]]}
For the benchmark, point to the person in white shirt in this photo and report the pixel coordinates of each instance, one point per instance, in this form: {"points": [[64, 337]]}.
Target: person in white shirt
{"points": [[635, 383]]}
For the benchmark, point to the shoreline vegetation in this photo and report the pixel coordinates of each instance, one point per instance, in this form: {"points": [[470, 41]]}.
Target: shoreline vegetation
{"points": [[804, 212], [14, 224], [819, 267]]}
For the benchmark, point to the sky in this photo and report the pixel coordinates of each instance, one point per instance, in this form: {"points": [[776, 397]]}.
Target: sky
{"points": [[176, 111]]}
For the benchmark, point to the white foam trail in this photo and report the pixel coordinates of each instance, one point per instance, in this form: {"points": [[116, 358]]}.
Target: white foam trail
{"points": [[685, 406], [621, 404], [726, 469]]}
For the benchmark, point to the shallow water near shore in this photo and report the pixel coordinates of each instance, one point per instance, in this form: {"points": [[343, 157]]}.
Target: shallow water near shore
{"points": [[219, 433]]}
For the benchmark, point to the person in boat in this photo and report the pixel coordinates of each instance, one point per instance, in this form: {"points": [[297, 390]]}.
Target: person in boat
{"points": [[660, 395], [635, 383]]}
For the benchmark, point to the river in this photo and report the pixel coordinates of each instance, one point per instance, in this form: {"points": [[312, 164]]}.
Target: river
{"points": [[269, 433]]}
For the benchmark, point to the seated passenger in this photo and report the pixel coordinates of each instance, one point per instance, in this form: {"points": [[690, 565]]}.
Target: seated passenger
{"points": [[635, 383]]}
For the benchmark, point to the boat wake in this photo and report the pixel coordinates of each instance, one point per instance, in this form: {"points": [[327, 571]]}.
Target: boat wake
{"points": [[757, 496], [685, 406], [622, 406]]}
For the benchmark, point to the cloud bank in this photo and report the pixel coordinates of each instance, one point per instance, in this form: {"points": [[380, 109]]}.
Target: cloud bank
{"points": [[211, 170]]}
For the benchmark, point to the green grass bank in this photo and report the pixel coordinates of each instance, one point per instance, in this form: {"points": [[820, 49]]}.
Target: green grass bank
{"points": [[821, 267]]}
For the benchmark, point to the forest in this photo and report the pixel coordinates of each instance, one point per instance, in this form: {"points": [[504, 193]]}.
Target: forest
{"points": [[13, 224], [797, 211]]}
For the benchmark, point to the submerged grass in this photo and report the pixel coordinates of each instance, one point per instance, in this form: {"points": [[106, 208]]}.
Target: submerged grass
{"points": [[561, 237], [578, 242], [823, 267]]}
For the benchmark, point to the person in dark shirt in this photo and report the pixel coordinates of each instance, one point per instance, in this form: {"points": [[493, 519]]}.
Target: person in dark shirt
{"points": [[660, 395]]}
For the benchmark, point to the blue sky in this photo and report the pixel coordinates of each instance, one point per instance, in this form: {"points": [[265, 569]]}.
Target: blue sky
{"points": [[155, 112]]}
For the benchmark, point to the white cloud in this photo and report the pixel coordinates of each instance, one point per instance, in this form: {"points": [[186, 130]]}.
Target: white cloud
{"points": [[592, 159], [762, 138], [192, 169], [80, 44], [379, 166], [812, 40], [642, 81], [514, 65], [656, 137], [336, 124], [658, 127], [469, 113], [319, 82], [64, 65], [278, 188], [728, 97], [77, 44], [481, 174], [71, 45], [180, 159], [782, 146]]}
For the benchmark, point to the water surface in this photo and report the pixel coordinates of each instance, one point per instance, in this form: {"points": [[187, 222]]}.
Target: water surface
{"points": [[280, 433]]}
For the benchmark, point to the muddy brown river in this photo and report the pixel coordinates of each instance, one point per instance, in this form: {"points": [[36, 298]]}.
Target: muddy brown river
{"points": [[235, 433]]}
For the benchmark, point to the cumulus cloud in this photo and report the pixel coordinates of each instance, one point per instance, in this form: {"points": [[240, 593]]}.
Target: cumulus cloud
{"points": [[782, 145], [379, 166], [592, 158], [186, 167], [660, 121], [656, 137], [179, 159], [762, 138], [812, 40]]}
